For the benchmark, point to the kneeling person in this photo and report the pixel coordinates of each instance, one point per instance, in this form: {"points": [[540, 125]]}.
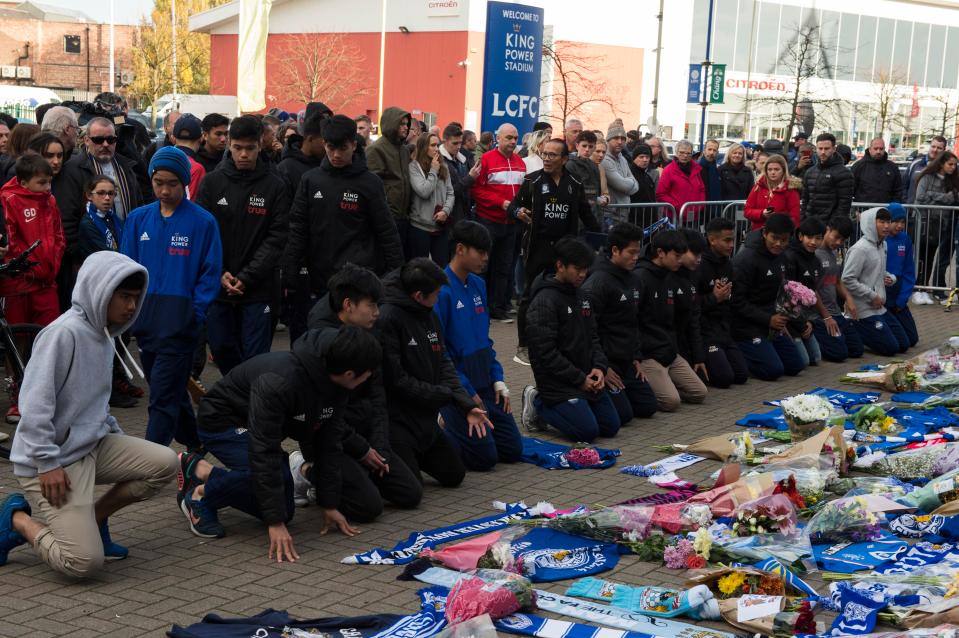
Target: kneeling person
{"points": [[464, 314], [246, 416], [565, 352], [67, 442]]}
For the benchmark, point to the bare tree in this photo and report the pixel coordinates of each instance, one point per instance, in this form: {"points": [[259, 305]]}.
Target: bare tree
{"points": [[945, 124], [888, 92], [804, 58], [322, 65], [576, 83]]}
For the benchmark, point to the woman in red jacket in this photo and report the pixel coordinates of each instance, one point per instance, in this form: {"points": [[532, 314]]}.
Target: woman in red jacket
{"points": [[775, 192]]}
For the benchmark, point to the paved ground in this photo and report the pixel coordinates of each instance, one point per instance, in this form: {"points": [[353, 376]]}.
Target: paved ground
{"points": [[172, 576]]}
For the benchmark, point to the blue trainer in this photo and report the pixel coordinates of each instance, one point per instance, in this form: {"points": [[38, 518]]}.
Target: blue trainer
{"points": [[10, 538], [203, 520], [111, 550]]}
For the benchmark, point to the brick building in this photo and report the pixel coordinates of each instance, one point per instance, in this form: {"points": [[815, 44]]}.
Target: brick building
{"points": [[61, 49]]}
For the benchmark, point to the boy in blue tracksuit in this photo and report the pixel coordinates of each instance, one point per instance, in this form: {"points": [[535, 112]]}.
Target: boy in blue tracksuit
{"points": [[464, 315], [901, 264], [179, 244]]}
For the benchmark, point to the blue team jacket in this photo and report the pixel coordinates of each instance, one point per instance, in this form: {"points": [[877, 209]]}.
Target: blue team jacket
{"points": [[465, 320], [183, 255], [899, 262]]}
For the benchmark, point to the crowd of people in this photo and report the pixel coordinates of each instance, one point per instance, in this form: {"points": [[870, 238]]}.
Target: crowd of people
{"points": [[387, 260]]}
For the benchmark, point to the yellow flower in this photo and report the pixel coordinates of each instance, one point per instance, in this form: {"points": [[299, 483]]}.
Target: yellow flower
{"points": [[953, 587], [703, 542], [731, 583]]}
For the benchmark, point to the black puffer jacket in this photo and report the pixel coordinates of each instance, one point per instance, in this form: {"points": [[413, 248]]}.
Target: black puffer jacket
{"points": [[715, 320], [268, 395], [294, 164], [737, 181], [657, 303], [757, 279], [563, 344], [251, 208], [367, 420], [689, 338], [340, 215], [418, 376], [827, 189], [877, 180], [613, 295]]}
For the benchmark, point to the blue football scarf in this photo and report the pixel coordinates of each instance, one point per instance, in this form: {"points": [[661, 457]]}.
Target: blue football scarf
{"points": [[549, 555], [278, 624], [552, 456], [934, 528], [858, 610], [919, 555], [406, 551], [838, 398], [773, 566], [529, 625], [847, 558]]}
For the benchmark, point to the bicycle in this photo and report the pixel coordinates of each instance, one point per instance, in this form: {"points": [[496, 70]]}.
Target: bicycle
{"points": [[16, 340]]}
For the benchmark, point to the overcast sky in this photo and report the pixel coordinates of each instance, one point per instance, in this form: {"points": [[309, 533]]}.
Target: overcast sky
{"points": [[126, 11]]}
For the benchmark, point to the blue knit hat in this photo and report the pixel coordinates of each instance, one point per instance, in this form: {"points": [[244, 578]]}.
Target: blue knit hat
{"points": [[897, 211], [170, 158]]}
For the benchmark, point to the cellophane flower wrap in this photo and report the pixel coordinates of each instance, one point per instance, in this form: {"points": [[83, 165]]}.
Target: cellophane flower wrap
{"points": [[806, 408], [795, 300], [489, 591], [615, 524], [773, 514], [935, 370], [583, 457], [907, 465], [872, 419], [844, 520]]}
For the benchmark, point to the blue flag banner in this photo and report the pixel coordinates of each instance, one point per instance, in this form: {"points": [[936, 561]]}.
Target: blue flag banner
{"points": [[512, 66], [839, 398], [549, 555], [406, 551], [552, 456], [847, 558]]}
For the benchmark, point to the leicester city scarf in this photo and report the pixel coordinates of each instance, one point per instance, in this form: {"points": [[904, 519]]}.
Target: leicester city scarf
{"points": [[847, 558], [552, 456], [406, 551], [838, 398], [549, 555]]}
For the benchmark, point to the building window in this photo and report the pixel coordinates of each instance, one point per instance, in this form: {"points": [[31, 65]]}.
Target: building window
{"points": [[71, 44], [866, 48], [937, 51], [917, 65], [900, 53], [846, 58]]}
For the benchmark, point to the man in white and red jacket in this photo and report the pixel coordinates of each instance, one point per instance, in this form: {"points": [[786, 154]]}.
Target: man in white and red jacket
{"points": [[501, 174]]}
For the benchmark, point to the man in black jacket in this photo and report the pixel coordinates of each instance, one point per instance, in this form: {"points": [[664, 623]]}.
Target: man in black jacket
{"points": [[551, 203], [419, 377], [613, 292], [246, 416], [250, 205], [371, 471], [877, 178], [215, 128], [565, 352], [725, 364], [583, 168], [461, 174], [758, 275], [340, 215], [688, 310], [827, 187], [669, 374]]}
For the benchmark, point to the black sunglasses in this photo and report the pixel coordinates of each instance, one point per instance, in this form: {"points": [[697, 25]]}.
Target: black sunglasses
{"points": [[100, 139]]}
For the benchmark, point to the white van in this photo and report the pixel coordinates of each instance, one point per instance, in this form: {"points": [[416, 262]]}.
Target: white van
{"points": [[21, 101], [198, 105]]}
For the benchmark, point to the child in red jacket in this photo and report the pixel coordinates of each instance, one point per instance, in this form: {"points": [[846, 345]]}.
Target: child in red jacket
{"points": [[31, 213]]}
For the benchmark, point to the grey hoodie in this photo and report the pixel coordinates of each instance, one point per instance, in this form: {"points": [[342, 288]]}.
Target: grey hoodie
{"points": [[865, 267], [64, 401]]}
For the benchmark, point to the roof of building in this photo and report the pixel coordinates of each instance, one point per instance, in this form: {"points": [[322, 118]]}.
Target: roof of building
{"points": [[45, 12]]}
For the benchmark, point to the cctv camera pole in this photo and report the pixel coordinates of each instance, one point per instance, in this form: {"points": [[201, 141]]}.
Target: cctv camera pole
{"points": [[705, 75], [112, 71]]}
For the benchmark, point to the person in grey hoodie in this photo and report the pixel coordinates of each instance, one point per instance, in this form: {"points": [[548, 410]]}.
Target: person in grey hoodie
{"points": [[619, 178], [67, 442], [865, 278], [432, 202]]}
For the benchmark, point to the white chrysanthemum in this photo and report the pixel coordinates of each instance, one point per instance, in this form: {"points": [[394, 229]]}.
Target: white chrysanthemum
{"points": [[806, 408]]}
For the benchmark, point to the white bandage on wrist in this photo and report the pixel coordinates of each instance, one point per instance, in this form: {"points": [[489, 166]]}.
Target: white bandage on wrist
{"points": [[500, 386]]}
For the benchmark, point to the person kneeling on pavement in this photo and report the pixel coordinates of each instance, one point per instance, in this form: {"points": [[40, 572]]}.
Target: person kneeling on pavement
{"points": [[246, 416], [67, 442], [565, 353], [372, 471]]}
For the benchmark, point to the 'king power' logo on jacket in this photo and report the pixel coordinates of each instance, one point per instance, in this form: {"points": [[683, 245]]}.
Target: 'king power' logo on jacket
{"points": [[180, 245]]}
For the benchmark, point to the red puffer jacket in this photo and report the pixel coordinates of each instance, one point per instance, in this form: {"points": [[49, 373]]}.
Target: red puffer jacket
{"points": [[30, 216], [676, 187], [782, 199]]}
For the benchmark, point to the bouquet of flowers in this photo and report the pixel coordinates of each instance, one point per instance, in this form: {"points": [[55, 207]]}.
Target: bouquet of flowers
{"points": [[733, 582], [614, 524], [935, 370], [860, 485], [908, 465], [843, 520], [806, 415], [872, 419], [583, 457], [765, 515], [795, 300], [935, 493], [489, 591]]}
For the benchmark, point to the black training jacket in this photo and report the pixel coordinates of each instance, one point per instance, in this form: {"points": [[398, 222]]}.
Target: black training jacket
{"points": [[657, 316], [251, 209], [367, 420], [294, 165], [715, 320], [613, 295], [689, 338], [555, 209], [280, 395], [562, 340], [806, 268], [418, 375], [757, 278], [827, 189], [340, 215]]}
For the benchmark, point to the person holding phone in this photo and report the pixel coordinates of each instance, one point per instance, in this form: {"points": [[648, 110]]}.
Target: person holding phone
{"points": [[775, 192], [432, 202]]}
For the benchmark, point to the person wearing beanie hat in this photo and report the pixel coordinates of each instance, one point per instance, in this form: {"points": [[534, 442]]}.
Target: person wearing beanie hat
{"points": [[188, 133], [619, 178], [646, 177], [901, 265], [179, 244]]}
